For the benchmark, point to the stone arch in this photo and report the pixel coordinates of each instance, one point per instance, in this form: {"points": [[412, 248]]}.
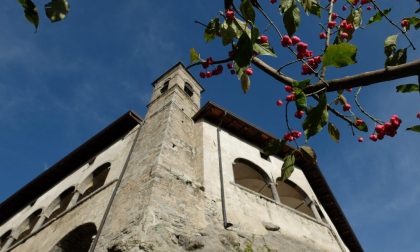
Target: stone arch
{"points": [[60, 204], [95, 180], [251, 176], [27, 225], [293, 196], [79, 239]]}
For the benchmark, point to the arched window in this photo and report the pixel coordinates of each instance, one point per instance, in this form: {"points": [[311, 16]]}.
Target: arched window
{"points": [[27, 226], [79, 239], [60, 204], [249, 175], [4, 237], [164, 87], [98, 178], [293, 196], [188, 89]]}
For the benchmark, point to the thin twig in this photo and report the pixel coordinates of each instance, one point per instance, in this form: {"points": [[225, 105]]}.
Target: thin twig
{"points": [[198, 22], [327, 40], [356, 96], [288, 64]]}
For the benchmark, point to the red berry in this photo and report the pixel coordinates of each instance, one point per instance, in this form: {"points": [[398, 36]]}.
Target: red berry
{"points": [[332, 24], [286, 41], [359, 122], [205, 64], [418, 115], [291, 97], [309, 53], [296, 134], [405, 23], [295, 40], [364, 1], [379, 129], [288, 88], [229, 14], [344, 8], [299, 114], [373, 137], [334, 16], [369, 8], [349, 89], [203, 75], [263, 39], [209, 61], [360, 139], [344, 35], [249, 71], [288, 137], [279, 103], [229, 65], [301, 55], [343, 24], [346, 107], [273, 1], [301, 46], [209, 74], [322, 35]]}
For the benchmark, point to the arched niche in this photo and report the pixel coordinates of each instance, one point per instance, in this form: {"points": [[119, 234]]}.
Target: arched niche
{"points": [[60, 204], [293, 196], [96, 179], [26, 227], [77, 240], [251, 176]]}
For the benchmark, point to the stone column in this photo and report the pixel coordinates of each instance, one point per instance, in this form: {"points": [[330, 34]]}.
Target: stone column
{"points": [[73, 200], [315, 211], [9, 242], [39, 223], [275, 193]]}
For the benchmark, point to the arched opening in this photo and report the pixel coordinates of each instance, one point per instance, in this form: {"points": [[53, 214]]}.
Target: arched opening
{"points": [[293, 196], [188, 89], [249, 175], [4, 237], [29, 224], [79, 239], [60, 204], [164, 87], [98, 178]]}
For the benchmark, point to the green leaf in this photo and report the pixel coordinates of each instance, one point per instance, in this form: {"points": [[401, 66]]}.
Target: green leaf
{"points": [[245, 83], [56, 10], [315, 8], [408, 88], [227, 32], [362, 127], [308, 152], [301, 84], [390, 44], [212, 30], [301, 102], [287, 167], [264, 49], [291, 19], [415, 21], [316, 118], [378, 16], [285, 5], [194, 55], [415, 128], [334, 132], [340, 55], [244, 51], [397, 58], [31, 12], [274, 147], [247, 10]]}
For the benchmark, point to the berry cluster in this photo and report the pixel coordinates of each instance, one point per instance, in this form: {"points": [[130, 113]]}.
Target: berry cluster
{"points": [[216, 71], [355, 2], [387, 129], [292, 95], [291, 136]]}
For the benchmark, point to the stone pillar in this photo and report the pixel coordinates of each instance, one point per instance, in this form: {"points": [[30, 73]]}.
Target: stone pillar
{"points": [[39, 223], [315, 211], [9, 242], [73, 200], [275, 193]]}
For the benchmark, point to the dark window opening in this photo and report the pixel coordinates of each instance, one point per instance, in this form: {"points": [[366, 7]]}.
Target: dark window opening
{"points": [[164, 87], [4, 237], [98, 179], [79, 239], [64, 200], [249, 175], [188, 89], [293, 196]]}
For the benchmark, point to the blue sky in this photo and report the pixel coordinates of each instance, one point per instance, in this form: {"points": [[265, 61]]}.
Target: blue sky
{"points": [[60, 86]]}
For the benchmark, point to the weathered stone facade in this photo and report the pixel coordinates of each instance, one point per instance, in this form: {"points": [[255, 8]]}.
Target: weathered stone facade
{"points": [[163, 192]]}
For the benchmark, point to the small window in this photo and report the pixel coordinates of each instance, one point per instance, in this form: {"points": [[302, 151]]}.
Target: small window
{"points": [[164, 87], [188, 89], [293, 196]]}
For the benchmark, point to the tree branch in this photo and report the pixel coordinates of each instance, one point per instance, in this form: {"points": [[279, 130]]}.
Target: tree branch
{"points": [[368, 78]]}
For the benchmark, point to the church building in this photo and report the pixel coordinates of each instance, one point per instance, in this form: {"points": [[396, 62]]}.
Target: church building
{"points": [[184, 178]]}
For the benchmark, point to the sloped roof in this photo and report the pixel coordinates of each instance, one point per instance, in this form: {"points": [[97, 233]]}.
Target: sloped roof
{"points": [[95, 145], [231, 123]]}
